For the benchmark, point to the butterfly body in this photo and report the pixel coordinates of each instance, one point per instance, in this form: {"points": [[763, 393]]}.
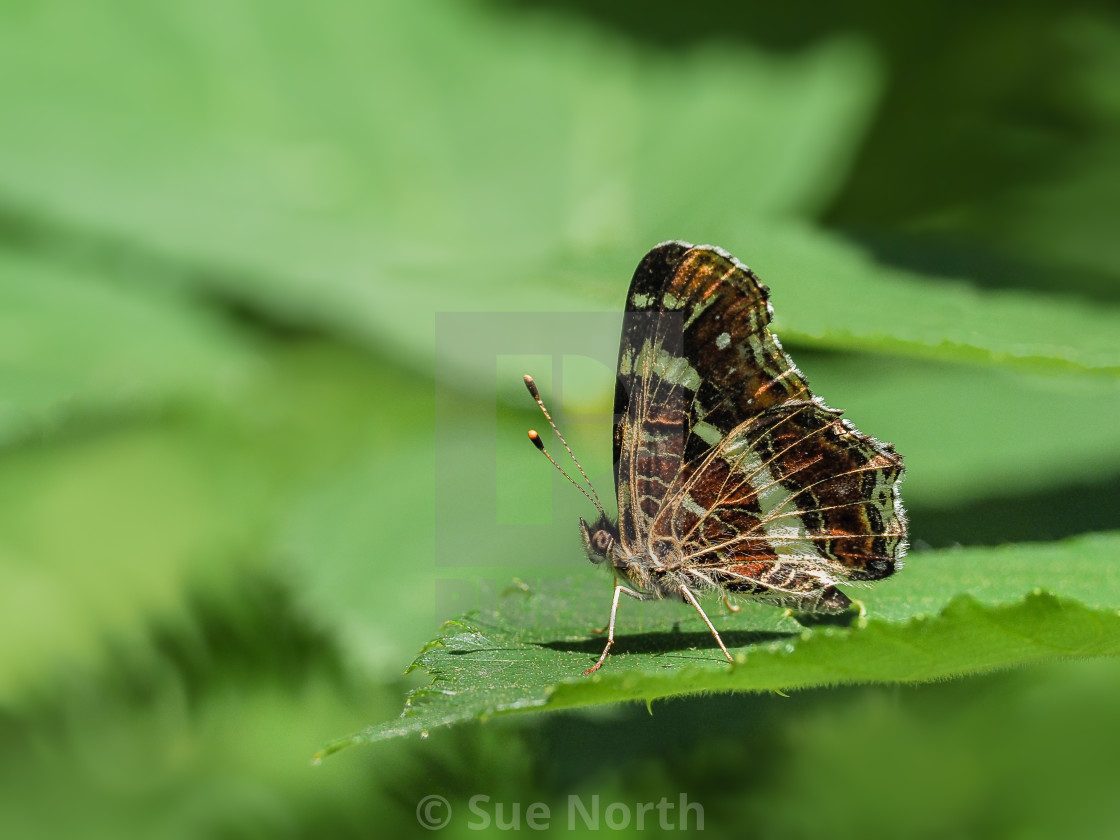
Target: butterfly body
{"points": [[655, 575]]}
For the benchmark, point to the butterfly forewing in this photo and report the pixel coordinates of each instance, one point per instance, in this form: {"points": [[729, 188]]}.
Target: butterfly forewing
{"points": [[690, 369], [653, 397]]}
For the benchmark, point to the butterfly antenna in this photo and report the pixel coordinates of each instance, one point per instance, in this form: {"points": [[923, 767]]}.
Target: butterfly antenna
{"points": [[593, 497]]}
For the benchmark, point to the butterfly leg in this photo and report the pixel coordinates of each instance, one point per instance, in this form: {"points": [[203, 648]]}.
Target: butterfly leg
{"points": [[618, 590], [692, 600], [599, 630], [731, 607]]}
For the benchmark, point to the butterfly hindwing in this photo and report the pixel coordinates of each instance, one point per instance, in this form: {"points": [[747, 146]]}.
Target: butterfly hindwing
{"points": [[794, 499]]}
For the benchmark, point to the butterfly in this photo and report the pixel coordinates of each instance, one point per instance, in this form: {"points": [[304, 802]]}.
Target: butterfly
{"points": [[731, 476]]}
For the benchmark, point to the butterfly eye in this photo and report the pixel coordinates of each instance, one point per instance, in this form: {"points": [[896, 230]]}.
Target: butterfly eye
{"points": [[602, 540]]}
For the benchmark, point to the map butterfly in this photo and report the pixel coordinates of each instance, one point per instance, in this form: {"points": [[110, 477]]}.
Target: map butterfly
{"points": [[731, 476]]}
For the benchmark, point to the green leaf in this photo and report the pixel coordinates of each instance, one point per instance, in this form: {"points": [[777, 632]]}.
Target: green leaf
{"points": [[166, 764], [74, 343], [1052, 207], [99, 533], [328, 190], [371, 183], [102, 532], [828, 292], [949, 613]]}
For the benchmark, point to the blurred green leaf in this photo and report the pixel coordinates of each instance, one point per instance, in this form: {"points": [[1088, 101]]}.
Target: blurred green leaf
{"points": [[300, 157], [948, 613], [235, 764], [837, 296], [101, 533], [73, 343], [359, 545], [320, 190], [97, 534], [1039, 179]]}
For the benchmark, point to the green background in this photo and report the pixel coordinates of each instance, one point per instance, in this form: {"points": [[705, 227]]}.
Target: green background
{"points": [[270, 274]]}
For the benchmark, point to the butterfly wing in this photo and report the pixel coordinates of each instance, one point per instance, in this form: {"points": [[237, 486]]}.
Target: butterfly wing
{"points": [[792, 502], [650, 411], [724, 457]]}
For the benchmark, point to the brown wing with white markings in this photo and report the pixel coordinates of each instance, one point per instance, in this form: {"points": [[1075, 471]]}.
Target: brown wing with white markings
{"points": [[726, 461]]}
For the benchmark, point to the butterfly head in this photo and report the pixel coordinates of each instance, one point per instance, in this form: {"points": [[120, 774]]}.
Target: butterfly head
{"points": [[598, 539]]}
